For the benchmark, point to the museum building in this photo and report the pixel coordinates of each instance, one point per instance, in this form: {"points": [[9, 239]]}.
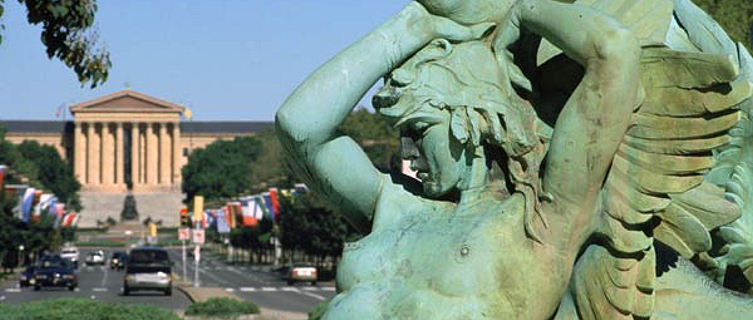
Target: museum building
{"points": [[128, 138]]}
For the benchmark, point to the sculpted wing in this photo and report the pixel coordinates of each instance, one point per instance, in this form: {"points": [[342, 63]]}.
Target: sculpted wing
{"points": [[655, 189]]}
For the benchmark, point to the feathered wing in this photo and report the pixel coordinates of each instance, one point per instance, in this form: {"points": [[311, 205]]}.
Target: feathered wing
{"points": [[655, 189]]}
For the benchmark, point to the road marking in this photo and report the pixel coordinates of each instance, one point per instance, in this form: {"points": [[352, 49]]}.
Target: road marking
{"points": [[268, 289], [99, 289], [247, 289], [76, 289], [2, 298], [310, 288], [327, 288], [315, 296], [229, 289], [13, 290], [289, 289]]}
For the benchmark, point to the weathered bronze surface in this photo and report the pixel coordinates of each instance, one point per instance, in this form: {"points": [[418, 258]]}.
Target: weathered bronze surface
{"points": [[586, 160]]}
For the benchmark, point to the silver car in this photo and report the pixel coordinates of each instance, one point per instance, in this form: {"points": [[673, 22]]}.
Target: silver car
{"points": [[148, 269]]}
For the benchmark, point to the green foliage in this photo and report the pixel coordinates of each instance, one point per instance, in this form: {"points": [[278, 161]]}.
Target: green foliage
{"points": [[66, 35], [64, 309], [308, 224], [222, 307], [377, 137], [318, 311], [52, 172], [735, 16], [222, 170]]}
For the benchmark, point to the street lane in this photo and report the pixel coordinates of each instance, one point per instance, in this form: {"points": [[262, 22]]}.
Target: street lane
{"points": [[95, 282], [254, 283]]}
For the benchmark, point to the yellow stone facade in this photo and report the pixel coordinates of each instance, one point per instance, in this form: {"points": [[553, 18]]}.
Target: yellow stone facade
{"points": [[128, 137]]}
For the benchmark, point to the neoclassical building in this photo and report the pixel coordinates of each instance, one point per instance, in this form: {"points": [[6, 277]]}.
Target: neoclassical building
{"points": [[128, 138]]}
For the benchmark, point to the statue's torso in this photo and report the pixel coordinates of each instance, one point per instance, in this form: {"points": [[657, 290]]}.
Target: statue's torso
{"points": [[427, 260]]}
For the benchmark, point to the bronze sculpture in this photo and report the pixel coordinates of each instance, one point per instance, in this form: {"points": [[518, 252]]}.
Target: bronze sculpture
{"points": [[555, 144]]}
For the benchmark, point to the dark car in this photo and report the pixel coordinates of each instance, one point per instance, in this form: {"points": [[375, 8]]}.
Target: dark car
{"points": [[118, 260], [54, 271], [27, 277], [148, 269], [299, 272]]}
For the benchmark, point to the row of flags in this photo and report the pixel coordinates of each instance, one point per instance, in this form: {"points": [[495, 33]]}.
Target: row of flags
{"points": [[34, 204], [248, 210]]}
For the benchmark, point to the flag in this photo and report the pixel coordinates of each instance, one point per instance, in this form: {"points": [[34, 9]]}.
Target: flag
{"points": [[222, 223], [268, 205], [70, 220], [59, 212], [187, 113], [257, 210], [198, 207], [3, 169], [230, 216], [27, 203], [51, 206], [247, 210], [211, 219], [275, 202]]}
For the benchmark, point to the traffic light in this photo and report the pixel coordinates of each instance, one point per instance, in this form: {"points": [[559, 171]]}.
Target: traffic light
{"points": [[184, 218]]}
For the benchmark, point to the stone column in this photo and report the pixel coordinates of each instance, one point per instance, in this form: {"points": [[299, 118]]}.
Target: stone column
{"points": [[164, 155], [142, 152], [152, 155], [108, 155], [79, 156], [92, 149], [119, 154], [176, 161], [135, 158]]}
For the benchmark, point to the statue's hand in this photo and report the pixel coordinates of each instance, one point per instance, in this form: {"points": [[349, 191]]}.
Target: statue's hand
{"points": [[436, 26], [469, 12]]}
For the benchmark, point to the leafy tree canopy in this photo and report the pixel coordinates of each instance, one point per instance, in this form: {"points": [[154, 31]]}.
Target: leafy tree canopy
{"points": [[52, 172], [67, 35], [735, 16], [222, 170]]}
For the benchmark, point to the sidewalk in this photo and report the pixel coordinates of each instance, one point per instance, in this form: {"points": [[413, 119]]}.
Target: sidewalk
{"points": [[201, 294]]}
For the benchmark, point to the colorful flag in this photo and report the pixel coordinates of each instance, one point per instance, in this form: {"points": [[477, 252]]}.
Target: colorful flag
{"points": [[222, 223], [211, 219], [3, 169], [275, 202], [51, 206], [230, 216], [27, 204], [70, 220], [268, 205], [257, 211], [60, 213]]}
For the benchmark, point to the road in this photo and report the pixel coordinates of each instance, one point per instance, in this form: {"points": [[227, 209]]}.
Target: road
{"points": [[255, 283], [258, 284]]}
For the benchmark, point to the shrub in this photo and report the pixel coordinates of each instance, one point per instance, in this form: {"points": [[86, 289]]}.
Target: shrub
{"points": [[84, 309], [222, 307], [317, 312]]}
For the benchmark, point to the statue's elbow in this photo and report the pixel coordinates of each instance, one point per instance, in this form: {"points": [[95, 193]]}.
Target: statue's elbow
{"points": [[619, 45]]}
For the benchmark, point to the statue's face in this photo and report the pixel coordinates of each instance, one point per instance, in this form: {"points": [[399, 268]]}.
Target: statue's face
{"points": [[429, 148]]}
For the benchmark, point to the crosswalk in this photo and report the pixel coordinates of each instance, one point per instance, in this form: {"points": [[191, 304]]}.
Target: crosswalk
{"points": [[229, 289]]}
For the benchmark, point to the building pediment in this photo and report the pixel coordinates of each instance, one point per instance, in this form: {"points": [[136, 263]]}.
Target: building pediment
{"points": [[127, 101]]}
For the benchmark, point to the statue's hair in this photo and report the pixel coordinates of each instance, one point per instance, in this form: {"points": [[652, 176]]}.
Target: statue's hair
{"points": [[482, 112]]}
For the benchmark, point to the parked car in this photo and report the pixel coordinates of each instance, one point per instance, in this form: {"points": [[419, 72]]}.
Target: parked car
{"points": [[95, 257], [300, 272], [148, 269], [118, 260], [55, 271], [27, 277], [70, 253]]}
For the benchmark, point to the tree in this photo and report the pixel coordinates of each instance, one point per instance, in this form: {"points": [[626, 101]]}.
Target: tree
{"points": [[377, 137], [735, 16], [222, 170], [67, 36], [52, 172]]}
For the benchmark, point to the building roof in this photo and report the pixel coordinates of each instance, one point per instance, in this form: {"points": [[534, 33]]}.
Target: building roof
{"points": [[37, 126], [196, 127], [125, 101], [218, 127]]}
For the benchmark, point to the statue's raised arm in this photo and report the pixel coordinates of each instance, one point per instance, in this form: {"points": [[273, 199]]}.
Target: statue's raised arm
{"points": [[307, 121]]}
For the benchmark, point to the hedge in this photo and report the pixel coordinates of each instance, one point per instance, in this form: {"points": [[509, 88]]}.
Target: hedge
{"points": [[222, 307], [83, 309]]}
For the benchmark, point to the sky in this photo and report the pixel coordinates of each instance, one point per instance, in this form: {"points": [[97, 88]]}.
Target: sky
{"points": [[225, 60]]}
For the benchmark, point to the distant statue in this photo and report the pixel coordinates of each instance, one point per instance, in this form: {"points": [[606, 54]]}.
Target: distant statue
{"points": [[129, 212], [576, 161]]}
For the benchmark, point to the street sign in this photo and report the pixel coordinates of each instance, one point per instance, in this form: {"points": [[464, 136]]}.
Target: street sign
{"points": [[198, 236], [184, 233]]}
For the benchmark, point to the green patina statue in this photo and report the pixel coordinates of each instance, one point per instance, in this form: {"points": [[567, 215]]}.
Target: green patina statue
{"points": [[586, 160]]}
